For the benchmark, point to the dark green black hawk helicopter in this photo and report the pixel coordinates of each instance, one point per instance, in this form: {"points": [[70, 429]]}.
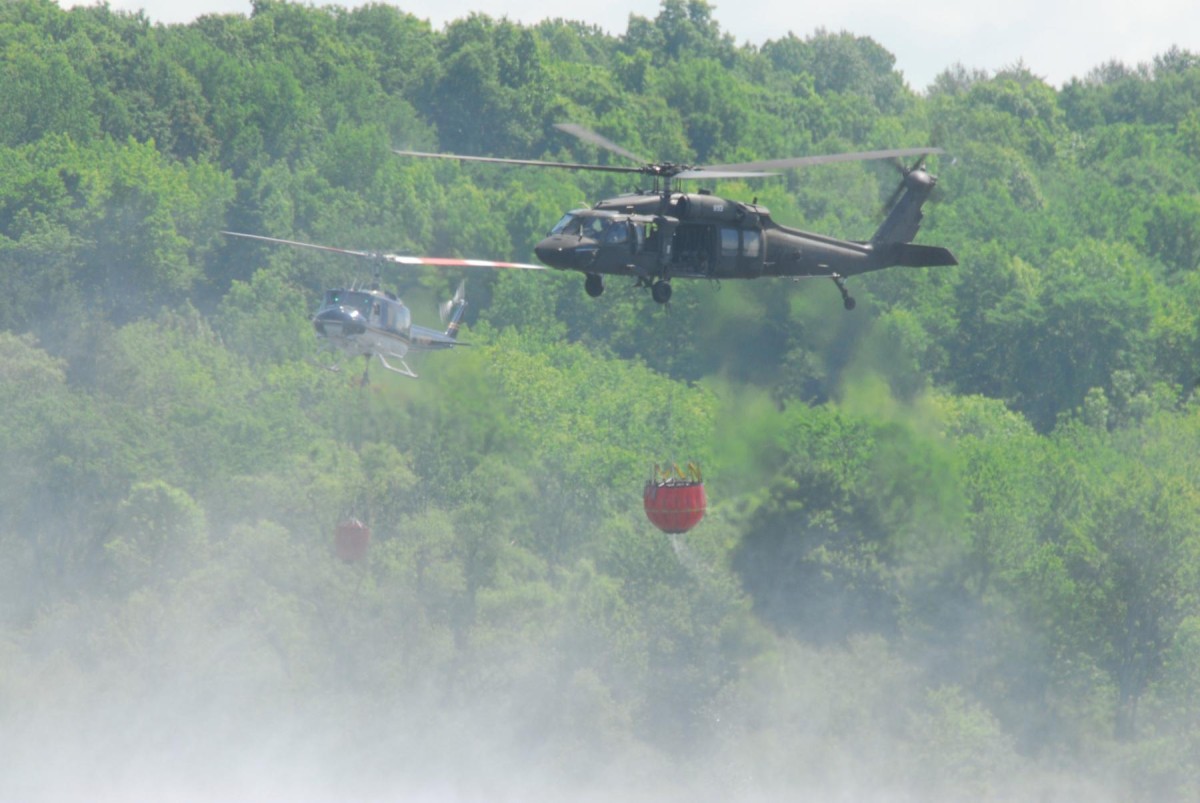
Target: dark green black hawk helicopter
{"points": [[663, 233]]}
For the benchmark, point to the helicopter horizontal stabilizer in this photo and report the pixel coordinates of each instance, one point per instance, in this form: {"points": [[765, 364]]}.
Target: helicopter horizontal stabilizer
{"points": [[908, 255], [425, 339]]}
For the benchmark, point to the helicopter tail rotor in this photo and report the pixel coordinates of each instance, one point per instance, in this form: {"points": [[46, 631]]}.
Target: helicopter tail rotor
{"points": [[452, 309], [903, 207], [459, 297], [905, 172]]}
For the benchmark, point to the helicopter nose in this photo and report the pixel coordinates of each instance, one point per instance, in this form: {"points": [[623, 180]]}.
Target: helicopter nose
{"points": [[338, 321], [569, 253], [550, 251]]}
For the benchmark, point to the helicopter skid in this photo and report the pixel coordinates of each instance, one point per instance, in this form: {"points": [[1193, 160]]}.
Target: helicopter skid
{"points": [[372, 344], [404, 370]]}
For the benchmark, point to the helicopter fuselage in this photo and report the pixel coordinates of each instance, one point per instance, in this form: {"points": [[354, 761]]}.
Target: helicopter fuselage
{"points": [[696, 235], [659, 236], [375, 323], [664, 233], [364, 322]]}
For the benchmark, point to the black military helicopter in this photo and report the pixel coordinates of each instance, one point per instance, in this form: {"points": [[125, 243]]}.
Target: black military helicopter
{"points": [[370, 322], [662, 233]]}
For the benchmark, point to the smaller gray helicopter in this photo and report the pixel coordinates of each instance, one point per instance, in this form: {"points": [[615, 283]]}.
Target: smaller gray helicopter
{"points": [[370, 322]]}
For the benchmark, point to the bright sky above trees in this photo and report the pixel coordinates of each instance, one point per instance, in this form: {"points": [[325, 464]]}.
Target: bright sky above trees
{"points": [[1057, 40]]}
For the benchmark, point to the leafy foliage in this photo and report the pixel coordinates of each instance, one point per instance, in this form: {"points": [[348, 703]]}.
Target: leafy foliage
{"points": [[952, 539]]}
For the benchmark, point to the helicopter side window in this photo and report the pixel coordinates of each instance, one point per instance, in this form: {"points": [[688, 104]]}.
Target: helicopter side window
{"points": [[639, 235], [617, 232], [389, 316], [595, 227], [729, 242], [751, 242]]}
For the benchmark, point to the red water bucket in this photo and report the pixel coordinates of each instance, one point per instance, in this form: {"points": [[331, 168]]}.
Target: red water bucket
{"points": [[351, 539], [675, 506]]}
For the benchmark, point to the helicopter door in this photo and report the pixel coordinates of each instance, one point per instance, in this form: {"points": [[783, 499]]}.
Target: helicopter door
{"points": [[652, 241], [739, 252], [692, 251]]}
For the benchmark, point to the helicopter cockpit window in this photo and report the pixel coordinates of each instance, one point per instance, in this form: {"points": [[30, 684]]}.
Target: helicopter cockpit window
{"points": [[567, 224], [349, 299], [592, 226], [573, 223]]}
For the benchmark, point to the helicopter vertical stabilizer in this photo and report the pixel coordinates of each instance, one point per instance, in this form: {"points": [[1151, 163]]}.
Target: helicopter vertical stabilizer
{"points": [[904, 209]]}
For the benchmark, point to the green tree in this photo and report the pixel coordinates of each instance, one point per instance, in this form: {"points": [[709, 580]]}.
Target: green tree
{"points": [[159, 533]]}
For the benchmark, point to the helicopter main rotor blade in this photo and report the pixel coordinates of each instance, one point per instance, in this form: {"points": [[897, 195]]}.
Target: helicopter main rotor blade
{"points": [[299, 244], [453, 262], [527, 162], [805, 161], [396, 259], [704, 172], [587, 135]]}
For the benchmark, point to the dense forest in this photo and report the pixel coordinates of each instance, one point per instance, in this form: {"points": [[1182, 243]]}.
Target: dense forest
{"points": [[953, 544]]}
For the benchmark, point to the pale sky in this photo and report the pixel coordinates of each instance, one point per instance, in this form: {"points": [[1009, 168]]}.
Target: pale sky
{"points": [[1056, 39]]}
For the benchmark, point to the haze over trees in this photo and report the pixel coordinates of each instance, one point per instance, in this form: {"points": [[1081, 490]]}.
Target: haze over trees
{"points": [[954, 545]]}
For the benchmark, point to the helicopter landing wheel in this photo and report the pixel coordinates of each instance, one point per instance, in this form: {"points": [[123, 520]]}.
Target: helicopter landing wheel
{"points": [[594, 284], [661, 292], [847, 299]]}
